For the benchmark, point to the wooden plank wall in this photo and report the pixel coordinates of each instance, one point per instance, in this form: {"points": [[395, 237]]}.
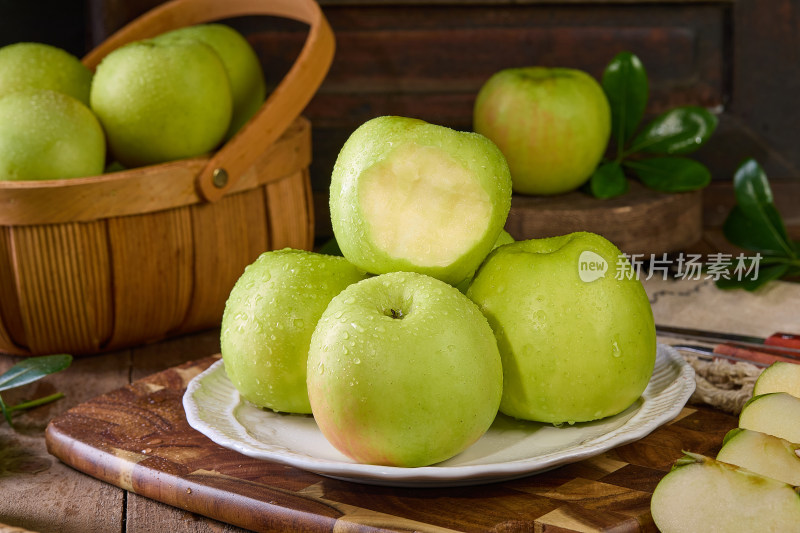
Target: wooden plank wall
{"points": [[428, 58]]}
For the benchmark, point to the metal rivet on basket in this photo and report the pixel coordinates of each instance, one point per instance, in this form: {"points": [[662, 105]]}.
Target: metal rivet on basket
{"points": [[220, 177]]}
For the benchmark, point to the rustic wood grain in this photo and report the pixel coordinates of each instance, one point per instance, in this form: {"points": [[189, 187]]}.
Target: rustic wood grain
{"points": [[136, 437], [643, 221]]}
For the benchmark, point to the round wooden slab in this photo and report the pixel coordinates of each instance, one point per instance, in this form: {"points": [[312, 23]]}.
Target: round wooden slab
{"points": [[642, 221]]}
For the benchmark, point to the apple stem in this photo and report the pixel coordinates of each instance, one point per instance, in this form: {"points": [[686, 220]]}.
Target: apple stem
{"points": [[396, 313]]}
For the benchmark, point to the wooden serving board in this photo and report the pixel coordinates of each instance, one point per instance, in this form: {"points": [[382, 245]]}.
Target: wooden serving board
{"points": [[137, 438]]}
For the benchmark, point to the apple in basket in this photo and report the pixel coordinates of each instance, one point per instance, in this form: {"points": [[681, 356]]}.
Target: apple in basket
{"points": [[248, 87], [577, 339], [48, 135], [406, 195], [403, 370], [29, 66], [161, 100]]}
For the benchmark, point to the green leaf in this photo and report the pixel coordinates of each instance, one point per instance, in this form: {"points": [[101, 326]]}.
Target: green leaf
{"points": [[33, 368], [752, 234], [626, 87], [671, 174], [679, 131], [754, 198], [6, 412], [330, 247], [765, 275], [608, 181]]}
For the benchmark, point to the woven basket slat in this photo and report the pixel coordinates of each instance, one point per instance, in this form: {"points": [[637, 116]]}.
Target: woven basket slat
{"points": [[237, 225], [290, 212], [153, 251], [63, 285], [11, 329]]}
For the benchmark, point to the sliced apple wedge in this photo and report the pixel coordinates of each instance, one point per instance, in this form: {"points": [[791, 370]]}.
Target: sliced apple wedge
{"points": [[702, 494], [776, 413], [763, 454], [780, 376]]}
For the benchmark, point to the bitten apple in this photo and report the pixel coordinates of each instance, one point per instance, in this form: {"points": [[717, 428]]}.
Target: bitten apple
{"points": [[412, 196], [552, 124], [268, 321], [578, 341], [403, 370]]}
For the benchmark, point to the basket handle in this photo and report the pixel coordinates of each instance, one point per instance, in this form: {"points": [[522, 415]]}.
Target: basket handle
{"points": [[282, 106]]}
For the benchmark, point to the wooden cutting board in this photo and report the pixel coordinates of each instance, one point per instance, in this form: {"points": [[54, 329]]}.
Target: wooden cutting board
{"points": [[137, 438]]}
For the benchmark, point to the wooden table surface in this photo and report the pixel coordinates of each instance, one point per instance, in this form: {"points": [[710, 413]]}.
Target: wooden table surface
{"points": [[40, 493]]}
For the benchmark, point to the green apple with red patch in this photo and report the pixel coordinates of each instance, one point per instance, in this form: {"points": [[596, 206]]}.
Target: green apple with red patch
{"points": [[406, 195], [403, 370], [552, 124], [268, 320]]}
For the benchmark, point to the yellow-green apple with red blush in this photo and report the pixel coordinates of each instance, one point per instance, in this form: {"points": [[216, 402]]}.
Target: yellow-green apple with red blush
{"points": [[406, 195], [552, 124], [268, 321], [403, 370]]}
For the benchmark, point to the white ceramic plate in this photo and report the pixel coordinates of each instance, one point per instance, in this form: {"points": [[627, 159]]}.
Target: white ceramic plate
{"points": [[510, 449]]}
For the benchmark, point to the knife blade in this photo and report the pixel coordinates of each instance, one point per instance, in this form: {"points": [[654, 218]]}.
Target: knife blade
{"points": [[786, 345]]}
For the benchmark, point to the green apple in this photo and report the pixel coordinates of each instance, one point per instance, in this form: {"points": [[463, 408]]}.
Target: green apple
{"points": [[763, 454], [30, 66], [161, 101], [776, 413], [417, 197], [704, 495], [780, 376], [48, 135], [552, 124], [403, 370], [578, 342], [268, 321], [248, 88]]}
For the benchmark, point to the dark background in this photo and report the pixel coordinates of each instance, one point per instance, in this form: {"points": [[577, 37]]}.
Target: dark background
{"points": [[427, 59]]}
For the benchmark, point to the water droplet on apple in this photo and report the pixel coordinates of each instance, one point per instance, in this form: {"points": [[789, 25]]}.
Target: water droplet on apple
{"points": [[299, 323], [615, 351], [345, 335], [320, 369], [356, 361]]}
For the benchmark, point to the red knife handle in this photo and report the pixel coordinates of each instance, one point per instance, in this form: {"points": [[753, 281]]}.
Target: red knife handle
{"points": [[787, 340], [749, 354]]}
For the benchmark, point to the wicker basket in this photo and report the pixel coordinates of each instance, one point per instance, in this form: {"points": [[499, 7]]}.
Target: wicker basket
{"points": [[100, 263]]}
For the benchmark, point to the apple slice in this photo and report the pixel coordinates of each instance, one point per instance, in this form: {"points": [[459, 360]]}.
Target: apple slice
{"points": [[763, 454], [703, 494], [776, 413], [780, 376], [411, 196]]}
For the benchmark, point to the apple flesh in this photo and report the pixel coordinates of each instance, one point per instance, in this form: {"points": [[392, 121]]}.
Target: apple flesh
{"points": [[763, 454], [248, 88], [160, 101], [268, 321], [577, 344], [403, 370], [48, 135], [701, 494], [410, 196], [552, 124], [776, 413], [38, 66], [780, 376]]}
